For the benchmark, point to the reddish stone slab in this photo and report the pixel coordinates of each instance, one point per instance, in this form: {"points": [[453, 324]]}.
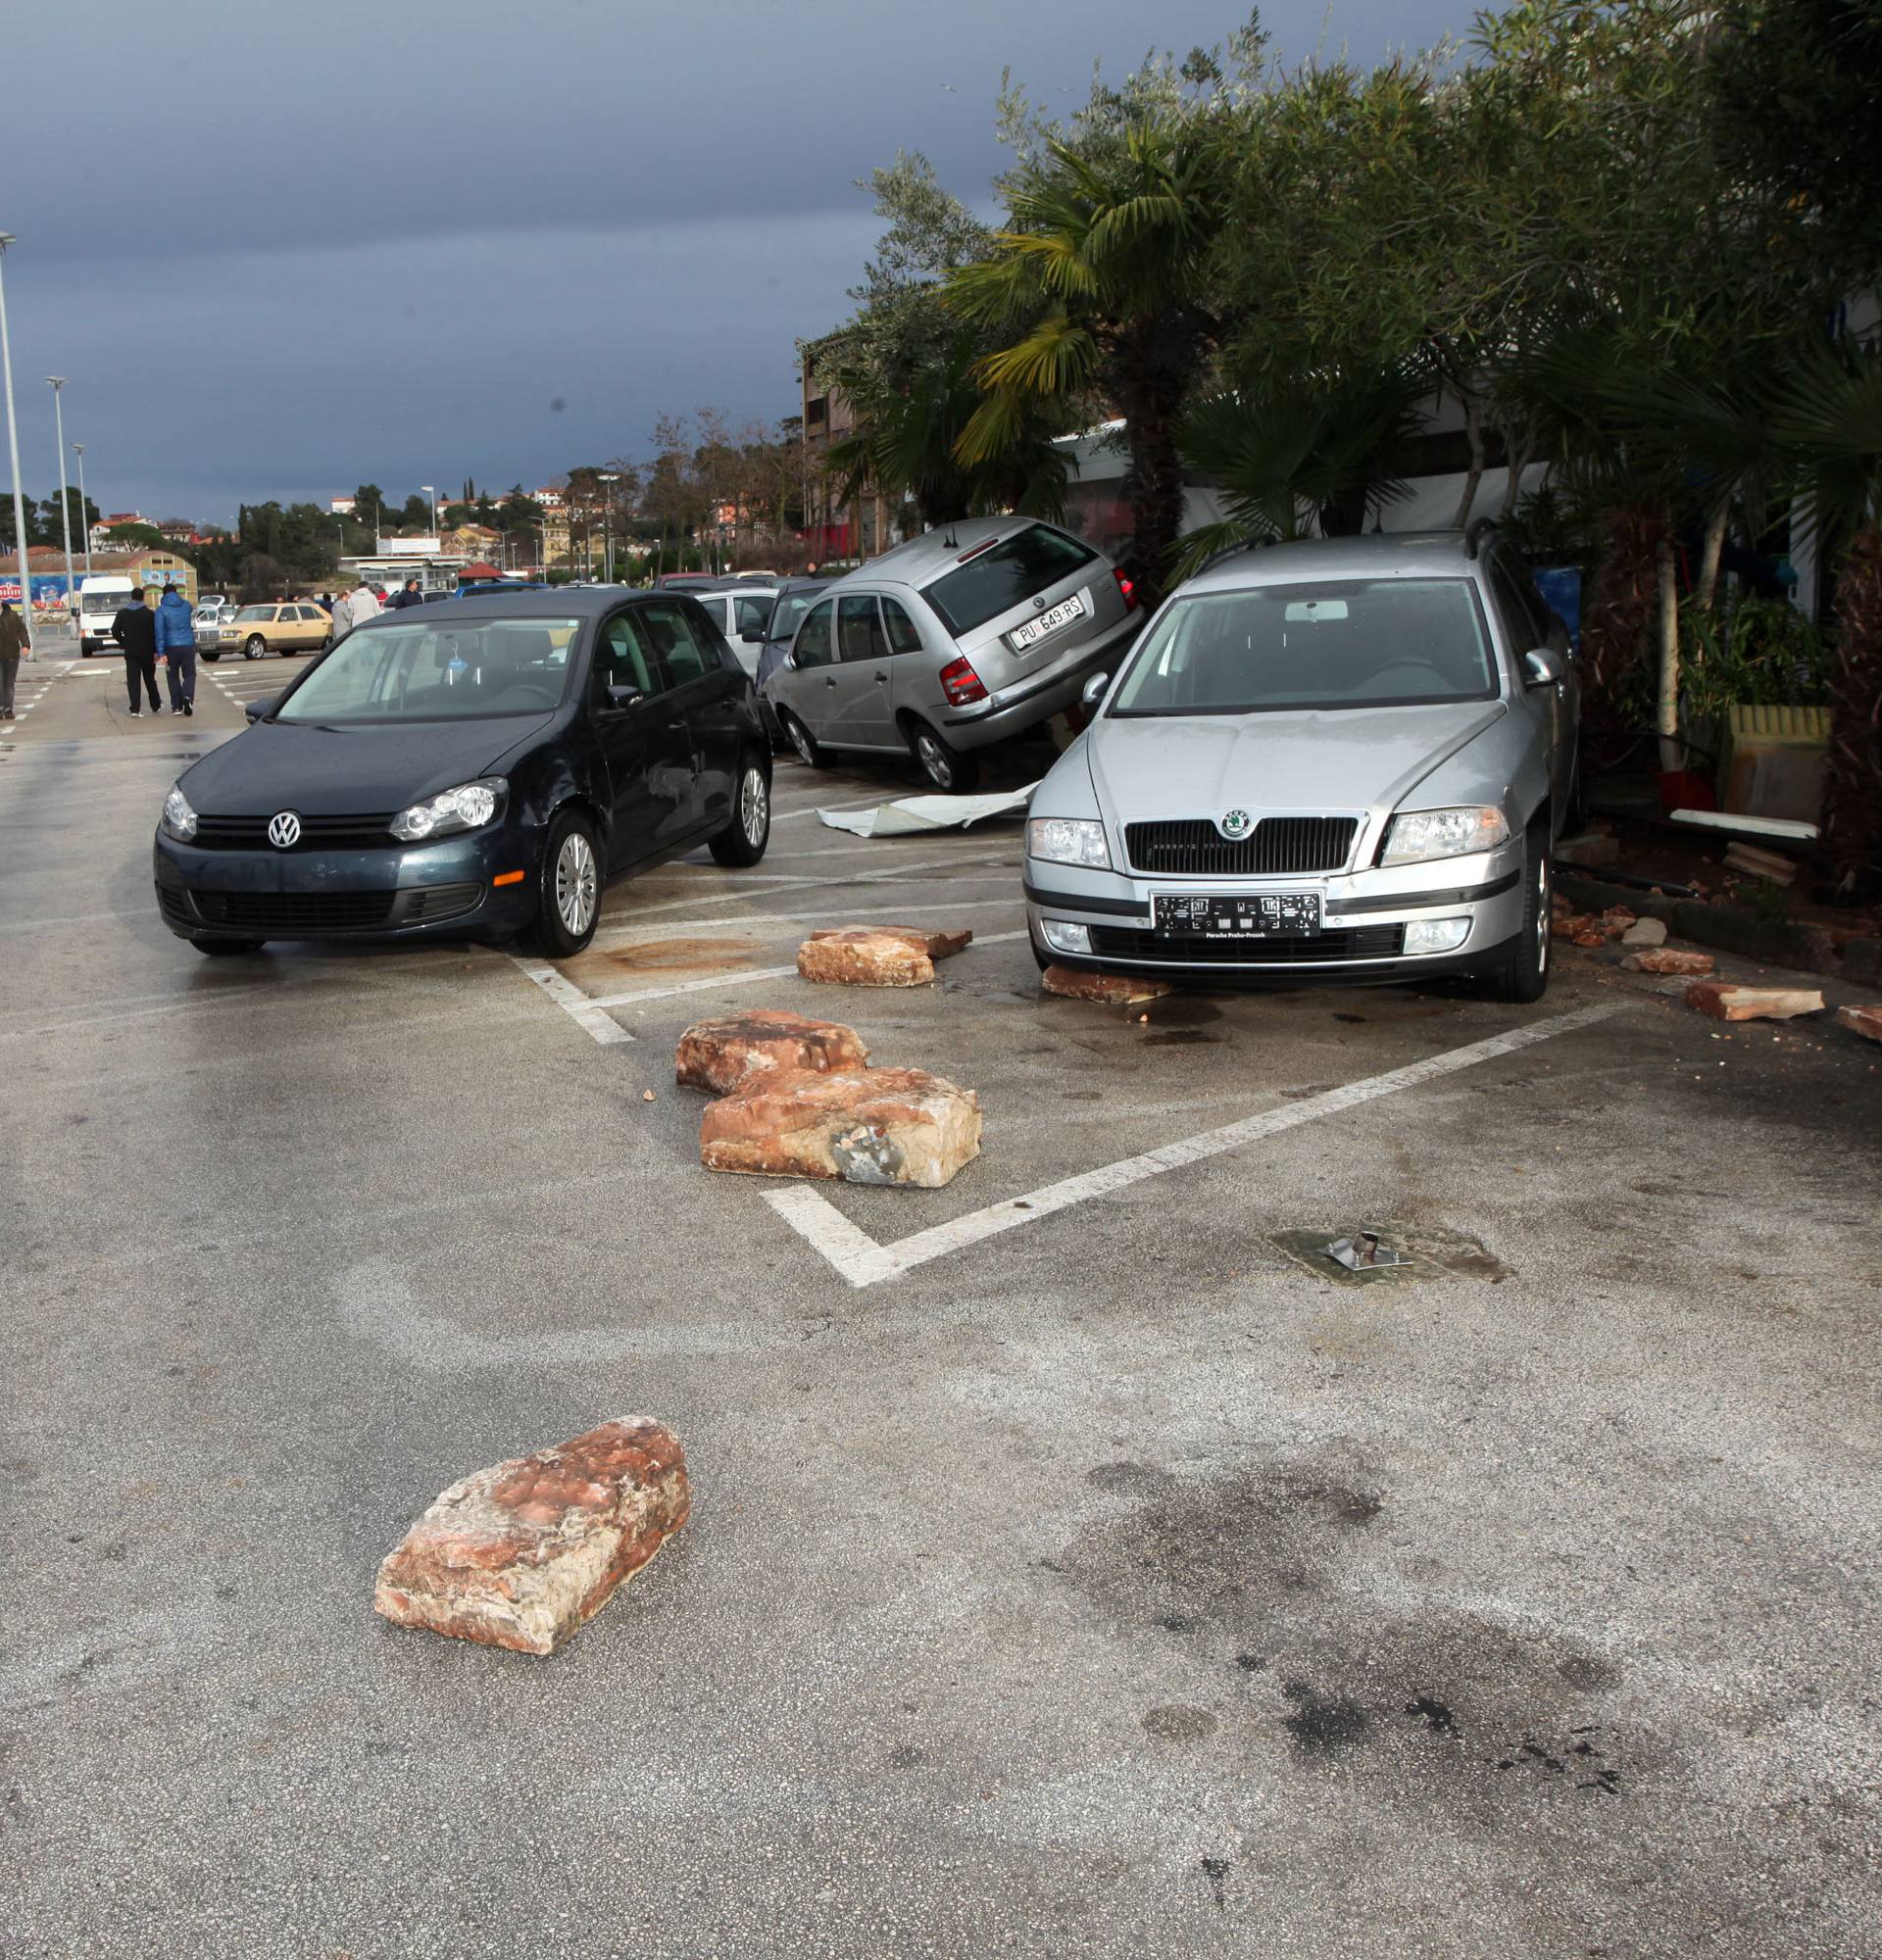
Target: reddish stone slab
{"points": [[1863, 1021], [1114, 990], [858, 959], [938, 943], [521, 1554], [723, 1055], [1727, 1002], [866, 1125], [1669, 959]]}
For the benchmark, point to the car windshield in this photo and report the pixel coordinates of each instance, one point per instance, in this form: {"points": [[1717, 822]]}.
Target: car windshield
{"points": [[437, 670], [790, 607], [1372, 643]]}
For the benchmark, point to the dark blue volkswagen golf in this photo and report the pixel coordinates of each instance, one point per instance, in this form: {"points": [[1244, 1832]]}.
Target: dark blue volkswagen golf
{"points": [[470, 771]]}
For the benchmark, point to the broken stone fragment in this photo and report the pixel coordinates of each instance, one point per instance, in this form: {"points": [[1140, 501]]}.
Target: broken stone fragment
{"points": [[1591, 937], [1115, 990], [1669, 959], [1863, 1021], [866, 1125], [724, 1054], [1572, 925], [1645, 932], [521, 1554], [937, 944], [860, 958], [1727, 1002]]}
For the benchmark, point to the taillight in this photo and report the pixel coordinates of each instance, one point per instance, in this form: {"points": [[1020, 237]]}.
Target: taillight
{"points": [[1126, 588], [960, 684]]}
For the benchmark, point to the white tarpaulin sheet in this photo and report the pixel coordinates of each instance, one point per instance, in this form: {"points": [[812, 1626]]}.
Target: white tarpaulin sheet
{"points": [[935, 812]]}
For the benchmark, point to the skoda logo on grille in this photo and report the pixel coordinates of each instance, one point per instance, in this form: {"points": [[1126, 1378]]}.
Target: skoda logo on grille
{"points": [[1235, 823], [284, 830]]}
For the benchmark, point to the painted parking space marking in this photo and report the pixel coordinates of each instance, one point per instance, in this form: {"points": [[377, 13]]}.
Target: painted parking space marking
{"points": [[865, 1261], [573, 1003]]}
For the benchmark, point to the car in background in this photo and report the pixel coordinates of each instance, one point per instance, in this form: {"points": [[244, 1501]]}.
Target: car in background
{"points": [[742, 611], [789, 604], [291, 626], [691, 581], [470, 771], [208, 620], [100, 597], [951, 642], [1342, 759]]}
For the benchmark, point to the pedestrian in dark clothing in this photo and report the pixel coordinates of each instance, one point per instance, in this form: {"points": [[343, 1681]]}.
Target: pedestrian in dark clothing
{"points": [[177, 646], [16, 645], [411, 596], [134, 628]]}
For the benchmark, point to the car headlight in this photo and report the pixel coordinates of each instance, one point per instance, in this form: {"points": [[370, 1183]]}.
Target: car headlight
{"points": [[178, 819], [1418, 835], [1069, 839], [469, 806]]}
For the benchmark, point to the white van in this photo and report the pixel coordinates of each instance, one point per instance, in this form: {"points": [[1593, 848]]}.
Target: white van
{"points": [[99, 600]]}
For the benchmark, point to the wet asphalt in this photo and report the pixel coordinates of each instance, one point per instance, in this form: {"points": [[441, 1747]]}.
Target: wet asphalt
{"points": [[1115, 1583]]}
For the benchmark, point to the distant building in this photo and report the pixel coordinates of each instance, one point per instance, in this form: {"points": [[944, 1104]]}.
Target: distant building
{"points": [[549, 497], [340, 507], [866, 524]]}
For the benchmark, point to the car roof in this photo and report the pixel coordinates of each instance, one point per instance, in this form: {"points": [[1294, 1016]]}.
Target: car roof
{"points": [[1374, 555], [934, 552], [558, 602]]}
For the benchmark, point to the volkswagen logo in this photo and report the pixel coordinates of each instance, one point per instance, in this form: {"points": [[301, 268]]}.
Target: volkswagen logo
{"points": [[1235, 823], [284, 830]]}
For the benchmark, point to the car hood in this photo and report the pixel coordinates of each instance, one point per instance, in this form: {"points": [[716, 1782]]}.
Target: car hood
{"points": [[1306, 760], [346, 771]]}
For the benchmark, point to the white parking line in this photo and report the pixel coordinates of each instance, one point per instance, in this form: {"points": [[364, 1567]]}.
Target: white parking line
{"points": [[737, 979], [677, 928], [863, 1260], [573, 1003], [808, 884]]}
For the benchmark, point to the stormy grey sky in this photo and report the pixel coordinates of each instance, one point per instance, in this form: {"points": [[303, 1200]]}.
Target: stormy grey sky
{"points": [[284, 248]]}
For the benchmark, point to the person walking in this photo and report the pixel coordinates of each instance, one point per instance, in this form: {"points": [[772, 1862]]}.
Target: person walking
{"points": [[366, 603], [176, 647], [409, 596], [16, 645], [135, 631], [341, 613]]}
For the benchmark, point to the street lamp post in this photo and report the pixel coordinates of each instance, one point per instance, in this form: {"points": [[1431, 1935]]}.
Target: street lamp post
{"points": [[608, 478], [84, 504], [431, 491], [57, 383], [13, 444]]}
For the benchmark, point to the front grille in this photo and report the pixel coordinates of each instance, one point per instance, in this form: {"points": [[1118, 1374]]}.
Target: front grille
{"points": [[317, 833], [1366, 942], [284, 913], [1277, 847], [175, 905], [432, 903]]}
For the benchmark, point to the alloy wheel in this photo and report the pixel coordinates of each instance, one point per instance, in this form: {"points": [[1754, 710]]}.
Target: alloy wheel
{"points": [[936, 759], [575, 884], [1542, 916], [754, 807], [801, 741]]}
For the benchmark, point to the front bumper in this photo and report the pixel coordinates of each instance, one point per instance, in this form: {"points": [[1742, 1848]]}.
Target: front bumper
{"points": [[1012, 710], [1364, 919], [429, 891]]}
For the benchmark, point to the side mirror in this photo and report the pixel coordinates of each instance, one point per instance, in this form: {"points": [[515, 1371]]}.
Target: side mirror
{"points": [[624, 697], [1543, 666], [1093, 690], [754, 635], [256, 710]]}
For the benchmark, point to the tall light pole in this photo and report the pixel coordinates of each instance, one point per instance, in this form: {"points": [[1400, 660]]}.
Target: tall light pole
{"points": [[608, 478], [84, 503], [57, 383], [13, 444], [431, 491]]}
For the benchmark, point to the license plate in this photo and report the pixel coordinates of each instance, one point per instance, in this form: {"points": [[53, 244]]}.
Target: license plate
{"points": [[1049, 621], [1258, 916]]}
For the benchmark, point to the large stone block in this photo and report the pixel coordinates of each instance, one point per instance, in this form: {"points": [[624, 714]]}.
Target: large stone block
{"points": [[867, 1125], [1669, 959], [1115, 990], [521, 1554], [1863, 1021], [938, 943], [724, 1054], [858, 959], [1727, 1002]]}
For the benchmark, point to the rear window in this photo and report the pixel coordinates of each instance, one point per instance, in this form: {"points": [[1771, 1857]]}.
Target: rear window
{"points": [[1004, 576]]}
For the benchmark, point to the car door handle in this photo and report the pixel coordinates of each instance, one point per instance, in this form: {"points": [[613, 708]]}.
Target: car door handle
{"points": [[881, 681], [829, 683]]}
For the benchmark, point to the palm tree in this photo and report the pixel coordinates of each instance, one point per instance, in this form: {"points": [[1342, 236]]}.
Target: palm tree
{"points": [[1099, 277], [1284, 455]]}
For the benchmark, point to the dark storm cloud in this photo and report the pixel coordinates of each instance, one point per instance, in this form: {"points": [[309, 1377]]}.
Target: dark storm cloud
{"points": [[288, 248]]}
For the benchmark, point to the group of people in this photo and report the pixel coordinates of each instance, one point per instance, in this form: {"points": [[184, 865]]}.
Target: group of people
{"points": [[148, 637]]}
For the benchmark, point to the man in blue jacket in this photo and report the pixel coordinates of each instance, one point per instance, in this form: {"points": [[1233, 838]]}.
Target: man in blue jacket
{"points": [[177, 644]]}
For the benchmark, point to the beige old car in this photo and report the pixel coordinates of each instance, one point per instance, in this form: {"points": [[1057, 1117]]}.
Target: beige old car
{"points": [[295, 627]]}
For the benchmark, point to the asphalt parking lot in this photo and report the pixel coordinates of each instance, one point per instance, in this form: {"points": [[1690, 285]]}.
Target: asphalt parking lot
{"points": [[1072, 1569]]}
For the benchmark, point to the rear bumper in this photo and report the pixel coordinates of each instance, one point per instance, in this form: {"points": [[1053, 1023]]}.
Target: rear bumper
{"points": [[1038, 698]]}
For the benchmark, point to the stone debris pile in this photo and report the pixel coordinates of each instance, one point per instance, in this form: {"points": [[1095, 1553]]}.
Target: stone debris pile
{"points": [[888, 956]]}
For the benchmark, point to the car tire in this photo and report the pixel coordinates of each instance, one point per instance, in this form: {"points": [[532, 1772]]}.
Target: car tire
{"points": [[567, 889], [223, 946], [254, 647], [945, 767], [743, 840], [808, 749], [1524, 977], [212, 658]]}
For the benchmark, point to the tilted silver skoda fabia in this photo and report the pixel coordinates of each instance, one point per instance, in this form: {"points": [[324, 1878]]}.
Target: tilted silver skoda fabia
{"points": [[1342, 759]]}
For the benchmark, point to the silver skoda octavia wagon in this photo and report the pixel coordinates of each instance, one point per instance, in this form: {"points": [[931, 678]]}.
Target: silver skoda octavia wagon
{"points": [[1342, 759], [951, 642]]}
